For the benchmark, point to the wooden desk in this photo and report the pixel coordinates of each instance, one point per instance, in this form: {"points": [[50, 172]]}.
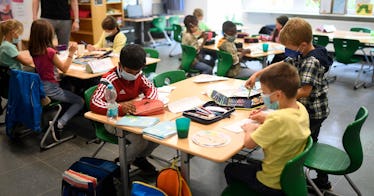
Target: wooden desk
{"points": [[364, 38], [78, 70], [256, 49], [186, 88], [142, 21]]}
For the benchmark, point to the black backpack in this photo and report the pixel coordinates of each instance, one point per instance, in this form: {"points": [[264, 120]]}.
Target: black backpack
{"points": [[106, 173]]}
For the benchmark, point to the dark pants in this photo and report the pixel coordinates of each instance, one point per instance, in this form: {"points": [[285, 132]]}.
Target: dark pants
{"points": [[315, 126], [246, 173]]}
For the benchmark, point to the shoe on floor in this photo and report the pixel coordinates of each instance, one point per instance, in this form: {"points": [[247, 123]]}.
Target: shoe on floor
{"points": [[147, 168], [321, 185]]}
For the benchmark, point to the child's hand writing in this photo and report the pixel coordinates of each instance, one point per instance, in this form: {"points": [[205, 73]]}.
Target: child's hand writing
{"points": [[128, 107], [251, 81], [258, 115], [249, 127], [73, 47]]}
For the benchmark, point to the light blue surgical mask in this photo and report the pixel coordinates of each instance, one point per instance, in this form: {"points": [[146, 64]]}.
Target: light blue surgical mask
{"points": [[16, 40], [129, 76], [230, 38], [292, 53], [268, 103]]}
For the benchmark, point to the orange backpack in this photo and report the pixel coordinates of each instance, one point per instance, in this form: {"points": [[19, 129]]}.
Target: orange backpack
{"points": [[171, 181]]}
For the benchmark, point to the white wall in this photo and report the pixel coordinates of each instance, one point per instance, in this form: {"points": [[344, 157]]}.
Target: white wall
{"points": [[256, 20]]}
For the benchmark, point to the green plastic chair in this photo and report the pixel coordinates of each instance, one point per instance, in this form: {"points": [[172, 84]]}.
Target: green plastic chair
{"points": [[171, 22], [362, 46], [169, 77], [332, 160], [344, 53], [321, 40], [159, 25], [100, 131], [148, 69], [177, 36], [188, 57], [361, 29], [292, 179], [224, 63]]}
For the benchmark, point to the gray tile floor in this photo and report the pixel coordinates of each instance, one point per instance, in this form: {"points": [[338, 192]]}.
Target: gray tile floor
{"points": [[24, 170]]}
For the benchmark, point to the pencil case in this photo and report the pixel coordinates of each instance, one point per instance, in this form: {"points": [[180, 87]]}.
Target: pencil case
{"points": [[217, 113]]}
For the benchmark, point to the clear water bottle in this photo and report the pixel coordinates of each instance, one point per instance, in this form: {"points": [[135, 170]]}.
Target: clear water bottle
{"points": [[112, 106]]}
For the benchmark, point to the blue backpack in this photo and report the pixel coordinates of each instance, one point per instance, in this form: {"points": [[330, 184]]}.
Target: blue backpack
{"points": [[90, 177]]}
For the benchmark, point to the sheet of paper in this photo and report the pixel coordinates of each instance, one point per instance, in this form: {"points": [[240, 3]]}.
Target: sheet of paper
{"points": [[77, 67], [185, 104], [99, 66], [236, 126], [208, 78]]}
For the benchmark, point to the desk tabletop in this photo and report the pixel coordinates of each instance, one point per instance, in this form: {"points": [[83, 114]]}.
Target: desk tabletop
{"points": [[364, 38], [78, 70], [187, 88], [103, 119], [256, 48]]}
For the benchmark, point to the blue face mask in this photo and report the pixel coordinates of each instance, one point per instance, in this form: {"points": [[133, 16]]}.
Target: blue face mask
{"points": [[291, 53], [129, 76], [16, 40], [230, 38], [268, 103]]}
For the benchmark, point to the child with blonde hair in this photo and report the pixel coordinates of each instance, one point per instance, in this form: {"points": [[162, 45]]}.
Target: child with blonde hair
{"points": [[10, 32], [47, 64]]}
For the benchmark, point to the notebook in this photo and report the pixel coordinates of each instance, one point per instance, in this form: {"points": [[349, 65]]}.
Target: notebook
{"points": [[162, 130], [137, 121]]}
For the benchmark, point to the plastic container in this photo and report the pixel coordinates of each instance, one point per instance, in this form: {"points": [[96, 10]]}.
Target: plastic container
{"points": [[112, 106]]}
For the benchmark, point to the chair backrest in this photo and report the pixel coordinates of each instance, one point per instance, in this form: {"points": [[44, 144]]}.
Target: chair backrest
{"points": [[352, 142], [4, 81], [88, 94], [169, 77], [224, 63], [177, 33], [292, 177], [152, 67], [188, 57], [173, 20], [159, 23], [320, 40], [345, 49], [361, 29]]}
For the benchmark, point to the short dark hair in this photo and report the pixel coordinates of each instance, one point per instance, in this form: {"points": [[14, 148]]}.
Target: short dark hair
{"points": [[282, 76], [190, 21], [228, 26], [132, 56], [109, 23]]}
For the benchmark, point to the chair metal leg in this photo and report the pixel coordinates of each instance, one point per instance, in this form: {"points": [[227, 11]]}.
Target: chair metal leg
{"points": [[368, 85], [172, 49], [51, 130], [352, 185], [152, 40], [359, 83], [314, 186], [101, 145], [167, 38]]}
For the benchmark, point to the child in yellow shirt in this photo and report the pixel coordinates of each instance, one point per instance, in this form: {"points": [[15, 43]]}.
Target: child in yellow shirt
{"points": [[282, 134], [112, 38]]}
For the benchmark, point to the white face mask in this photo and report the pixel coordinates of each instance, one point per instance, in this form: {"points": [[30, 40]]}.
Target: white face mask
{"points": [[129, 76]]}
